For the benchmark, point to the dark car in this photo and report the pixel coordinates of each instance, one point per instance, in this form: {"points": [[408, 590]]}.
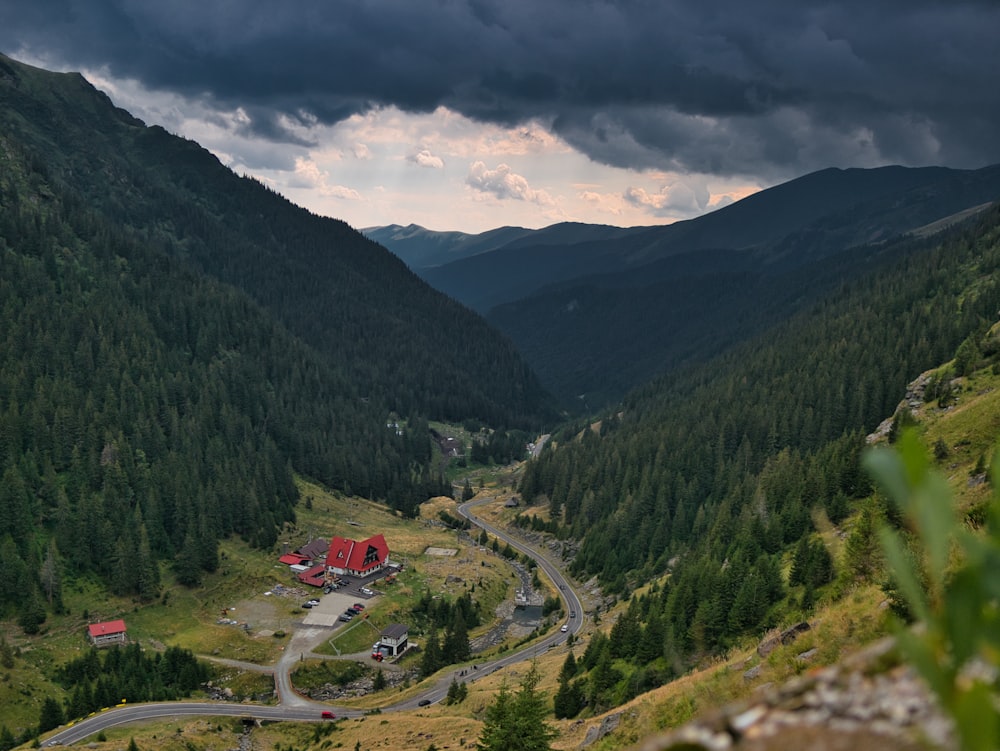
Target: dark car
{"points": [[423, 702], [344, 619], [307, 605]]}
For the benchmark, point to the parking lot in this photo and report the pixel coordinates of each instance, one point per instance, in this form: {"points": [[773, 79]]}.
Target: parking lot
{"points": [[330, 608]]}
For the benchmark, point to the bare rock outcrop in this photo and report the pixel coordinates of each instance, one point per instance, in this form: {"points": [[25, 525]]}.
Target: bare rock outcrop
{"points": [[853, 706]]}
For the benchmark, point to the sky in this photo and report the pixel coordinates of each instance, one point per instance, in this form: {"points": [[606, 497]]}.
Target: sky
{"points": [[473, 114]]}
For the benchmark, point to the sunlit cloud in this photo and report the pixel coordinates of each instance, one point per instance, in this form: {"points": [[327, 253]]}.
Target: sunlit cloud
{"points": [[681, 198], [425, 158], [308, 174], [503, 183], [605, 203], [340, 191]]}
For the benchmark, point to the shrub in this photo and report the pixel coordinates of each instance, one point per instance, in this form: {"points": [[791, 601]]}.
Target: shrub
{"points": [[957, 650]]}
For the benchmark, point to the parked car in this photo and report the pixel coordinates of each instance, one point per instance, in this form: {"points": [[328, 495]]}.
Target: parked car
{"points": [[307, 605], [358, 606], [314, 601], [328, 715], [343, 619]]}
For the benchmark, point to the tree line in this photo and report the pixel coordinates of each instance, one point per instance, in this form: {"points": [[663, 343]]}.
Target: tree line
{"points": [[713, 474]]}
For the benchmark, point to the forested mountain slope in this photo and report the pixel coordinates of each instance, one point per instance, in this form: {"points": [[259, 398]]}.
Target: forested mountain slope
{"points": [[392, 335], [716, 472], [176, 342]]}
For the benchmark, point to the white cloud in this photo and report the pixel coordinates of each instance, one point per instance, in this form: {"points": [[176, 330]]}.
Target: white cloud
{"points": [[309, 175], [425, 158], [503, 183], [340, 191], [361, 151], [680, 198], [601, 202]]}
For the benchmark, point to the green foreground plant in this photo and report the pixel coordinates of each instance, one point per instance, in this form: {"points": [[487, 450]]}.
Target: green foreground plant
{"points": [[948, 578]]}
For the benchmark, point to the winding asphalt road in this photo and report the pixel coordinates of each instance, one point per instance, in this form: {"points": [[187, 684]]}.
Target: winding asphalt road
{"points": [[292, 706]]}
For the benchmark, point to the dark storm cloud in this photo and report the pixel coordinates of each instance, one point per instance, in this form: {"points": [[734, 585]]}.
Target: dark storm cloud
{"points": [[731, 87]]}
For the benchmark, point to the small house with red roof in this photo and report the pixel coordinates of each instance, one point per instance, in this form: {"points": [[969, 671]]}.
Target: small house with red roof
{"points": [[107, 633], [357, 558], [314, 577], [293, 559]]}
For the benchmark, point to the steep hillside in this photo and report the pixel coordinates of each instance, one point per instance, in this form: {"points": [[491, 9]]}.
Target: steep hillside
{"points": [[343, 294], [176, 342], [720, 473]]}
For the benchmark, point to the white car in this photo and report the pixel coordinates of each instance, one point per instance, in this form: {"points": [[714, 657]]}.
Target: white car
{"points": [[565, 628]]}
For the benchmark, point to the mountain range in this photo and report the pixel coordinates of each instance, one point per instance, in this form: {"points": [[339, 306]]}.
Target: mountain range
{"points": [[598, 310], [180, 344]]}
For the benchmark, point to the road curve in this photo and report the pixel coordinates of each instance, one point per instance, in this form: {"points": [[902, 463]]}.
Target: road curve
{"points": [[569, 596], [294, 707]]}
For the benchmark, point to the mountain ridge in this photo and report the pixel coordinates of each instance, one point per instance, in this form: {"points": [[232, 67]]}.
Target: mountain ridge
{"points": [[817, 211], [314, 273]]}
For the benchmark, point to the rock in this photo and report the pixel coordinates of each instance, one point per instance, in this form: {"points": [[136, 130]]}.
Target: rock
{"points": [[791, 634], [608, 725], [807, 655], [752, 674], [769, 643], [855, 705]]}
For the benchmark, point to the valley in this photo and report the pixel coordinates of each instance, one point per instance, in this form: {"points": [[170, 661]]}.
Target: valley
{"points": [[672, 444]]}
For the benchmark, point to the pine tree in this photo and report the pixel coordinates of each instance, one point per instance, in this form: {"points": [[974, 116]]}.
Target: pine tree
{"points": [[456, 646], [457, 692], [50, 716], [568, 700], [568, 670], [431, 662], [7, 739], [6, 653], [516, 722], [50, 578]]}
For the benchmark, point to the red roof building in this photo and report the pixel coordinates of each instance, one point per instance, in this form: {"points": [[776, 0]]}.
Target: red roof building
{"points": [[109, 632], [293, 559], [357, 558], [314, 577]]}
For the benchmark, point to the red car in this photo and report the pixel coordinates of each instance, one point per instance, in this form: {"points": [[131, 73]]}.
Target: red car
{"points": [[328, 716]]}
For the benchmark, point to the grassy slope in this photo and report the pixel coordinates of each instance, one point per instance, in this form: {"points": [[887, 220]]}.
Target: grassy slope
{"points": [[188, 617], [844, 621]]}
